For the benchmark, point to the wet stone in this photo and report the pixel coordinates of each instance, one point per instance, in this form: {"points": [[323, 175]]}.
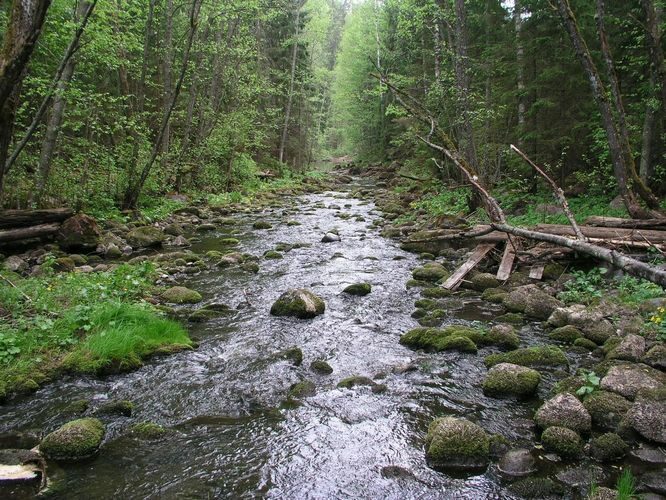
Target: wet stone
{"points": [[517, 463]]}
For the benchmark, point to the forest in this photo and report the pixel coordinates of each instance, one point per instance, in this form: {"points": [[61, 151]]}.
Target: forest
{"points": [[332, 248]]}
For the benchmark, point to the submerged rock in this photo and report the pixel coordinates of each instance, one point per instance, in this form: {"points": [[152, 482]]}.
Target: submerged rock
{"points": [[300, 303], [147, 430], [181, 295], [509, 379], [76, 440], [517, 463], [262, 225], [457, 444], [359, 289], [564, 410], [322, 367], [121, 407], [302, 389]]}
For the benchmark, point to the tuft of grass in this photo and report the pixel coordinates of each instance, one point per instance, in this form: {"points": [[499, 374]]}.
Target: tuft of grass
{"points": [[121, 335], [626, 486]]}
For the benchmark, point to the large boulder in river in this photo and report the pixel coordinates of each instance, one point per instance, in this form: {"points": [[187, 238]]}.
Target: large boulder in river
{"points": [[509, 379], [300, 303], [76, 440], [532, 301], [78, 232], [564, 410], [457, 444], [145, 237]]}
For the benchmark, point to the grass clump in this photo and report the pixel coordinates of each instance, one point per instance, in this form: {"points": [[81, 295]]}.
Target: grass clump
{"points": [[121, 335]]}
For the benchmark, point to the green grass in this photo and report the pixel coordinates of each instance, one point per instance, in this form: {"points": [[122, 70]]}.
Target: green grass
{"points": [[43, 318], [121, 335], [626, 486]]}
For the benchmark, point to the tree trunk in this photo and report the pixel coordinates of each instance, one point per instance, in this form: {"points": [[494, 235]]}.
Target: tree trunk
{"points": [[167, 76], [26, 18], [292, 78], [520, 78]]}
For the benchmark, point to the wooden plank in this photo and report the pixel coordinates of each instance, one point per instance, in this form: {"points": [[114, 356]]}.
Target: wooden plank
{"points": [[536, 273], [509, 256], [477, 256]]}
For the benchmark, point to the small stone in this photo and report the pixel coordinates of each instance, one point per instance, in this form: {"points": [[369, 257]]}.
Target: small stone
{"points": [[302, 389], [330, 238], [273, 255], [356, 380]]}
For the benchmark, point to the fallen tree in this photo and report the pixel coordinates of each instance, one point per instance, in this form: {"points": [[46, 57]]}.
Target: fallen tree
{"points": [[23, 218], [497, 217]]}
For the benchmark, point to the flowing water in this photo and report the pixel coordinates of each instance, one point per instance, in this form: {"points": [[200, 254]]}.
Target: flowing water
{"points": [[232, 436]]}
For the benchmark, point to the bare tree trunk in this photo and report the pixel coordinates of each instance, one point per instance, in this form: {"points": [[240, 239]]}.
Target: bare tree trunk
{"points": [[26, 18], [131, 198], [624, 170], [520, 78], [57, 114], [167, 75], [292, 78]]}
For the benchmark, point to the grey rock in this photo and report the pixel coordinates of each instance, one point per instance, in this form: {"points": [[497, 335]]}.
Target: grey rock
{"points": [[564, 410], [517, 463], [627, 380]]}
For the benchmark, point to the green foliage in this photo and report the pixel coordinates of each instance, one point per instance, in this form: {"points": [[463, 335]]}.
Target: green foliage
{"points": [[591, 383], [626, 486], [584, 287], [658, 320], [453, 202], [636, 291]]}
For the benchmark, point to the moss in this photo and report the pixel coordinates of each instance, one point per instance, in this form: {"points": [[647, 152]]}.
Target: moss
{"points": [[606, 408], [553, 271], [228, 242], [356, 380], [419, 313], [359, 289], [608, 447], [181, 295], [75, 440], [427, 256], [147, 430], [435, 293], [585, 344], [302, 389], [427, 304], [506, 379], [611, 344], [251, 267], [569, 384], [295, 355], [79, 406], [273, 255], [417, 284], [536, 487], [456, 443], [209, 312], [431, 272], [530, 356], [122, 407], [322, 367], [567, 334], [483, 281], [300, 303], [494, 295], [262, 225], [512, 317], [436, 339], [565, 442], [462, 344]]}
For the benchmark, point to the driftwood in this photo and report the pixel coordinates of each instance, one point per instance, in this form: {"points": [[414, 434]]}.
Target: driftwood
{"points": [[25, 233], [477, 256], [24, 218], [599, 221]]}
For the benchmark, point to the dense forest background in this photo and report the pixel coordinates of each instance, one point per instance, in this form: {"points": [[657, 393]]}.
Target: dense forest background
{"points": [[206, 97]]}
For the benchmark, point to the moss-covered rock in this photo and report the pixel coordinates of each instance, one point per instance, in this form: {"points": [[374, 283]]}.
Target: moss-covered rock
{"points": [[356, 380], [435, 293], [303, 389], [564, 410], [64, 264], [530, 356], [568, 334], [322, 367], [181, 295], [608, 447], [260, 224], [461, 344], [145, 237], [76, 440], [563, 441], [209, 313], [537, 488], [656, 356], [457, 444], [503, 336], [426, 304], [494, 295], [121, 407], [585, 344], [300, 303], [250, 267], [229, 242], [273, 255], [532, 301], [430, 272], [417, 284], [293, 354], [359, 289], [513, 380], [483, 281], [607, 409], [147, 430]]}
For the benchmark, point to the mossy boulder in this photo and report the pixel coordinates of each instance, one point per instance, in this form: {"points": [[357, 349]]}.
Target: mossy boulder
{"points": [[532, 301], [608, 447], [250, 267], [564, 410], [359, 289], [76, 440], [628, 379], [607, 409], [147, 430], [461, 344], [322, 367], [273, 255], [145, 237], [209, 312], [121, 407], [300, 303], [435, 293], [430, 272], [457, 444], [494, 295], [537, 488], [629, 348], [262, 225], [563, 441], [181, 295], [483, 281], [228, 242], [293, 354], [567, 333], [585, 344], [506, 379], [302, 389], [79, 232], [530, 356], [503, 336], [64, 264], [356, 380], [648, 414]]}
